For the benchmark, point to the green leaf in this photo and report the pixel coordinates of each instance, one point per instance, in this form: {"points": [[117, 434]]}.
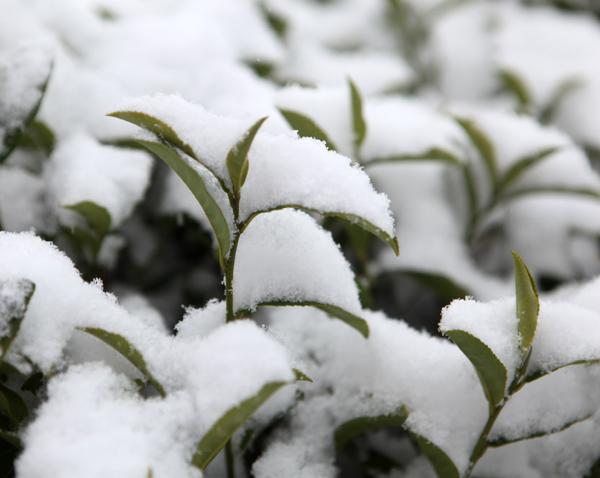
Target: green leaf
{"points": [[528, 305], [12, 405], [122, 345], [347, 431], [367, 226], [97, 216], [591, 193], [237, 159], [195, 183], [351, 218], [33, 383], [443, 286], [433, 154], [442, 464], [352, 320], [501, 441], [84, 239], [491, 371], [523, 164], [216, 438], [40, 136], [301, 376], [564, 89], [532, 376], [483, 145], [306, 127], [11, 438], [156, 126], [516, 85], [16, 127], [358, 121], [15, 296]]}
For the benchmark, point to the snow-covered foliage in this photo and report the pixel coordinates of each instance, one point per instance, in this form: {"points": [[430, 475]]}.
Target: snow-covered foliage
{"points": [[273, 238]]}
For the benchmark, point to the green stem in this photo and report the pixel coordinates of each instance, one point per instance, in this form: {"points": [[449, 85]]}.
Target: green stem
{"points": [[482, 444], [230, 262], [229, 461]]}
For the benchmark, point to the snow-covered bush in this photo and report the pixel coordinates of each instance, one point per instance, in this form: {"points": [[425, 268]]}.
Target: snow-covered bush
{"points": [[314, 182]]}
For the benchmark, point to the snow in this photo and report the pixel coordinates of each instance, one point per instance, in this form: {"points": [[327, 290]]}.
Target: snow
{"points": [[285, 256]]}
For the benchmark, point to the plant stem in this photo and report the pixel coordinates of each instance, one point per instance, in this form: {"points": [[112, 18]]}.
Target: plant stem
{"points": [[482, 444], [230, 262], [229, 461]]}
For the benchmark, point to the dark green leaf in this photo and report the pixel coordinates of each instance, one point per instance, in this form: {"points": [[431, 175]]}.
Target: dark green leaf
{"points": [[516, 85], [443, 286], [237, 159], [216, 438], [14, 300], [16, 127], [33, 383], [491, 371], [195, 183], [347, 431], [39, 135], [306, 127], [301, 376], [484, 146], [358, 121], [442, 464], [97, 216], [12, 405], [156, 126], [84, 239], [276, 22], [528, 305], [12, 439], [501, 441], [433, 154], [122, 345], [523, 164]]}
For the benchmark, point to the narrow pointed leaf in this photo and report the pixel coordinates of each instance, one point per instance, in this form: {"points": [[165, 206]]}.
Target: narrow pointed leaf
{"points": [[195, 183], [501, 441], [358, 121], [347, 431], [156, 126], [237, 159], [563, 91], [124, 347], [491, 371], [352, 320], [528, 305], [97, 216], [433, 154], [351, 218], [442, 464], [516, 85], [301, 376], [306, 127], [216, 438], [14, 128], [14, 300], [585, 192], [12, 405], [12, 439], [522, 165], [531, 377], [483, 145]]}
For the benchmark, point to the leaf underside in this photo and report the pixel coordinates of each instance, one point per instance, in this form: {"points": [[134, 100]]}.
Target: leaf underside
{"points": [[347, 431], [195, 183], [124, 347], [352, 320], [97, 216], [216, 438], [433, 154], [441, 462], [491, 371], [528, 306], [306, 127], [237, 159]]}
